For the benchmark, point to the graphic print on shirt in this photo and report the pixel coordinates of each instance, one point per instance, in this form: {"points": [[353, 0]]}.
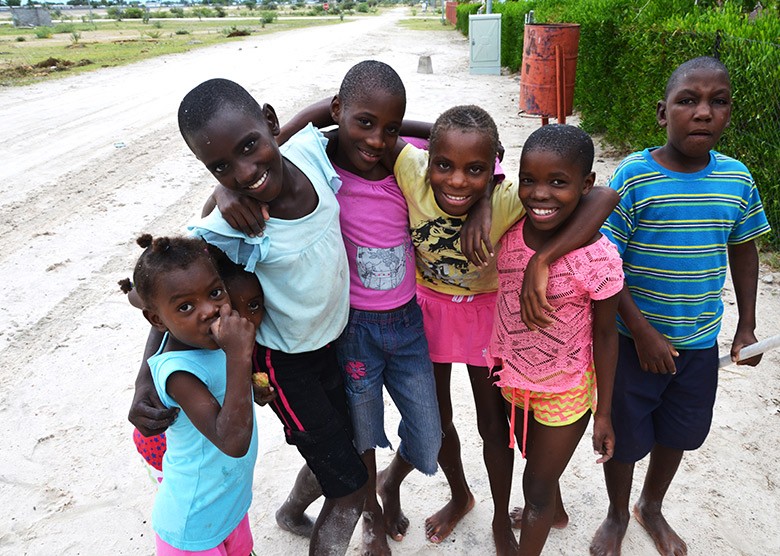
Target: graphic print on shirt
{"points": [[441, 236], [382, 268]]}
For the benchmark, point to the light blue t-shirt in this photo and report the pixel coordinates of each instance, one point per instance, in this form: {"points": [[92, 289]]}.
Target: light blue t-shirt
{"points": [[301, 264], [673, 231], [205, 493]]}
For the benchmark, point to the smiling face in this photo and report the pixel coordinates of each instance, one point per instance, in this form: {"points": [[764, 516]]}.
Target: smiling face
{"points": [[240, 150], [368, 128], [460, 169], [246, 296], [550, 187], [186, 303], [695, 113]]}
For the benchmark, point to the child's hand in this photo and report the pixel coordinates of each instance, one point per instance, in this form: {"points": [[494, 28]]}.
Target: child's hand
{"points": [[234, 334], [475, 232], [533, 297], [262, 389], [656, 353], [148, 413], [741, 339], [603, 437], [242, 213]]}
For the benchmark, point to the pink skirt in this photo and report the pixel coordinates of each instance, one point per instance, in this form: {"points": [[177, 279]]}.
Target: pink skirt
{"points": [[457, 327]]}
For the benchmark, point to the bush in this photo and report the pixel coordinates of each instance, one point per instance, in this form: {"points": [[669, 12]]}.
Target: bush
{"points": [[177, 12], [115, 13], [362, 7], [20, 39], [43, 32], [64, 28], [267, 17]]}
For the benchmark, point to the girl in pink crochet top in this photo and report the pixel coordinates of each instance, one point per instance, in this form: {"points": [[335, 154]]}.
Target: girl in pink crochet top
{"points": [[553, 373]]}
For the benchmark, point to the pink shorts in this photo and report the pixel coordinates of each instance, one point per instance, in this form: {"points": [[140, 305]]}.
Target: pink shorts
{"points": [[457, 326], [238, 543]]}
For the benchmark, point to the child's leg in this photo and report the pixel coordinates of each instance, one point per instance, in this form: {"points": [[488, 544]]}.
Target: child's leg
{"points": [[388, 486], [499, 458], [618, 477], [440, 525], [660, 472], [291, 514], [549, 450], [335, 524]]}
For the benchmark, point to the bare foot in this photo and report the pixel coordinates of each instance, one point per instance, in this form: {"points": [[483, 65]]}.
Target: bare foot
{"points": [[666, 540], [560, 521], [609, 536], [504, 538], [439, 526], [374, 538], [300, 524], [396, 523]]}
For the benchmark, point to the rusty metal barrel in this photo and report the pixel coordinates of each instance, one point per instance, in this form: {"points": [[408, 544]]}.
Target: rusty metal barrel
{"points": [[549, 69]]}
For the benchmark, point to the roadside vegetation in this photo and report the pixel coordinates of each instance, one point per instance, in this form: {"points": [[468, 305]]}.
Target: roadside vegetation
{"points": [[82, 40]]}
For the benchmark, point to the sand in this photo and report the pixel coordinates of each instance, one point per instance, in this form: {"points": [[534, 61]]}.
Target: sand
{"points": [[90, 161]]}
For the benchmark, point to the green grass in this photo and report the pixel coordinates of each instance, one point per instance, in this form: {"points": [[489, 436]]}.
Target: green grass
{"points": [[111, 43], [432, 23]]}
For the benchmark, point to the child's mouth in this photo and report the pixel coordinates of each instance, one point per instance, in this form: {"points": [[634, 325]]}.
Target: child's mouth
{"points": [[543, 211], [369, 155], [259, 182], [456, 199]]}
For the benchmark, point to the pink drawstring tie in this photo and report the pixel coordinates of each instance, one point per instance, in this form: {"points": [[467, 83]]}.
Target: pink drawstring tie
{"points": [[526, 401]]}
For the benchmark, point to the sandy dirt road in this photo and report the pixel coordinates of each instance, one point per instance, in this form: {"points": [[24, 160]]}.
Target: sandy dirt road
{"points": [[89, 162]]}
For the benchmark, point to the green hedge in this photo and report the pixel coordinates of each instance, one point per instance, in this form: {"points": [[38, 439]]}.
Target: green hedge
{"points": [[627, 50]]}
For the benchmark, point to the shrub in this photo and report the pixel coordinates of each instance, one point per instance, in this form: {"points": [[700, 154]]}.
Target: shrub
{"points": [[177, 12], [114, 13], [21, 39], [267, 17], [43, 32], [362, 7]]}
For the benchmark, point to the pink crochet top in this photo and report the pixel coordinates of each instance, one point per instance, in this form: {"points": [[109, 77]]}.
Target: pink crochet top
{"points": [[555, 358]]}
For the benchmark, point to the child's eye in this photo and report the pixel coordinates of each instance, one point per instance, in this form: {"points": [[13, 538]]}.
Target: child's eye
{"points": [[364, 122], [185, 308], [443, 165], [474, 170], [250, 144], [559, 183], [687, 101], [720, 101], [254, 306], [217, 293], [220, 169], [393, 130]]}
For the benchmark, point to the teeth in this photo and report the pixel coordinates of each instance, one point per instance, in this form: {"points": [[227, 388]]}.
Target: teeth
{"points": [[260, 181], [543, 212], [454, 198]]}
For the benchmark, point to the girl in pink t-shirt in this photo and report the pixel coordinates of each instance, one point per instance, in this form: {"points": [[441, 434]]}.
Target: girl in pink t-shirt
{"points": [[553, 373]]}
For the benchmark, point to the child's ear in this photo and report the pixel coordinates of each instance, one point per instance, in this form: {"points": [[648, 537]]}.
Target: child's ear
{"points": [[154, 319], [271, 119], [660, 113], [335, 108], [588, 182]]}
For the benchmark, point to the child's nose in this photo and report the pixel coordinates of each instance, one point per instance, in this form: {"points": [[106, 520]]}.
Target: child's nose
{"points": [[703, 111], [245, 173], [376, 138]]}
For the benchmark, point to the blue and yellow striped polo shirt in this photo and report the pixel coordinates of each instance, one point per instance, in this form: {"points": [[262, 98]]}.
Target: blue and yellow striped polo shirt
{"points": [[672, 231]]}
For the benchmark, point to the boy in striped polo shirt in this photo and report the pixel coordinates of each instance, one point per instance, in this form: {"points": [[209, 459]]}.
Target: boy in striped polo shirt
{"points": [[685, 212]]}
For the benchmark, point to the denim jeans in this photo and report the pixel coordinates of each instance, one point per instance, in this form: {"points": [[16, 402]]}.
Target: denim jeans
{"points": [[389, 350]]}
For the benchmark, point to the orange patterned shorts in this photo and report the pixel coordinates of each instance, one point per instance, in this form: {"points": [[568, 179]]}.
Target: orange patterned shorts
{"points": [[561, 408]]}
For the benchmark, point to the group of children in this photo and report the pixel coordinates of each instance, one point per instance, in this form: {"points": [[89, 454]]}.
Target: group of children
{"points": [[363, 263]]}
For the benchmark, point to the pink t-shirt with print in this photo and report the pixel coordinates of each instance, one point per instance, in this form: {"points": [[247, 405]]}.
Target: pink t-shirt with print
{"points": [[375, 227]]}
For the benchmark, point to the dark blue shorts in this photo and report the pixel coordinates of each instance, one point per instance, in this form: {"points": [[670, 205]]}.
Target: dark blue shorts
{"points": [[312, 405], [673, 410]]}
